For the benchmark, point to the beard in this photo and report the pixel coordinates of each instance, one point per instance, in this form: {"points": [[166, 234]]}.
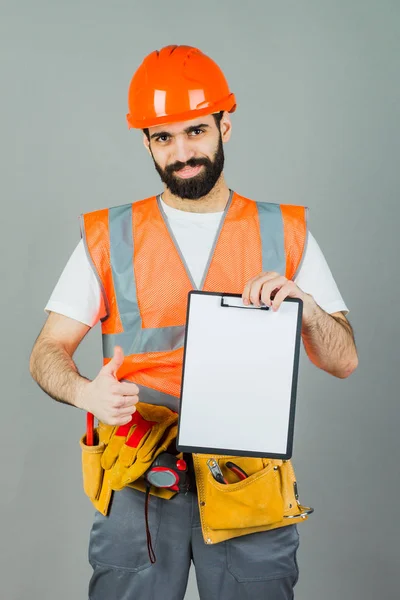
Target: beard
{"points": [[201, 184]]}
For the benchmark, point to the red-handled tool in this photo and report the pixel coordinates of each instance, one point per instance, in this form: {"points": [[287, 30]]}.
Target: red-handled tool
{"points": [[89, 429], [236, 469]]}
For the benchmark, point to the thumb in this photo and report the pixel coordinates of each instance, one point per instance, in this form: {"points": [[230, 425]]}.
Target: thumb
{"points": [[112, 367]]}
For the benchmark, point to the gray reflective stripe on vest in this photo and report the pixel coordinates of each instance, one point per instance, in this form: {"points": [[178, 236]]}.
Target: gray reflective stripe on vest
{"points": [[135, 339], [151, 396], [121, 258], [272, 241], [139, 341]]}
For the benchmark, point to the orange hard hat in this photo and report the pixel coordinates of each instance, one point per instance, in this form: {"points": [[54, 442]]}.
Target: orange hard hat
{"points": [[176, 83]]}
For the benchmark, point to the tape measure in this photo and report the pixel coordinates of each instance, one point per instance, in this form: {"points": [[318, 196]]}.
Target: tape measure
{"points": [[168, 471]]}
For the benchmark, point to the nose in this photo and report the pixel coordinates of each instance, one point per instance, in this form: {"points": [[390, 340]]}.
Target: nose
{"points": [[183, 150]]}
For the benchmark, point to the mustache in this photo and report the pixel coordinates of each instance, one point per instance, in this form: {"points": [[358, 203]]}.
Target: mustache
{"points": [[193, 162]]}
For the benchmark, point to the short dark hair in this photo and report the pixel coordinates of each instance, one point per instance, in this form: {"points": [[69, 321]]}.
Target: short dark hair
{"points": [[217, 119]]}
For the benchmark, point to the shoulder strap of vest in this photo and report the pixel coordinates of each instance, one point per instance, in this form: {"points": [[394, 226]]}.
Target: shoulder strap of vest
{"points": [[287, 225], [108, 238]]}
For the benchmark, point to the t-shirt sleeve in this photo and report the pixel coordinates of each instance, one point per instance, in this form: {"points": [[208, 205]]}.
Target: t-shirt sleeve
{"points": [[77, 293], [315, 278]]}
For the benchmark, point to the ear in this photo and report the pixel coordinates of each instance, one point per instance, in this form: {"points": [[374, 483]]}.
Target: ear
{"points": [[226, 127], [146, 143]]}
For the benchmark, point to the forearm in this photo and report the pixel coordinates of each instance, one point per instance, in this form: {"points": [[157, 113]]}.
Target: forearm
{"points": [[329, 342], [56, 373]]}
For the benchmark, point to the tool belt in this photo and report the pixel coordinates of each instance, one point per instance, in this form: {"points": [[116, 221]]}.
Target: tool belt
{"points": [[120, 456]]}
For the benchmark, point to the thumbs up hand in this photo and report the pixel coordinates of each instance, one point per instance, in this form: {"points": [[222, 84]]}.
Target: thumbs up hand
{"points": [[110, 400], [112, 367]]}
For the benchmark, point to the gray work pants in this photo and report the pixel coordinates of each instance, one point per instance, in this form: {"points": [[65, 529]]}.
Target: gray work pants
{"points": [[258, 566]]}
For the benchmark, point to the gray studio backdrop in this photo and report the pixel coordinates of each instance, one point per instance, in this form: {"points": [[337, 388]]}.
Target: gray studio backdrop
{"points": [[317, 123]]}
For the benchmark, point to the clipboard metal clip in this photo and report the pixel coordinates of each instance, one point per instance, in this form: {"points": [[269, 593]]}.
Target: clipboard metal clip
{"points": [[225, 304]]}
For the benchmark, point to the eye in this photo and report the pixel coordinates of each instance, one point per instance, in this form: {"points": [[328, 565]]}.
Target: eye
{"points": [[160, 138], [197, 130]]}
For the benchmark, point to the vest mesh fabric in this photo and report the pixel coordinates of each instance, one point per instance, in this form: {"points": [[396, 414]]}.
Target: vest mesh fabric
{"points": [[162, 283]]}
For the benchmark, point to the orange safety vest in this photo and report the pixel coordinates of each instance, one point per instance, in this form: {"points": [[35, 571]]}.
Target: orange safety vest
{"points": [[145, 281]]}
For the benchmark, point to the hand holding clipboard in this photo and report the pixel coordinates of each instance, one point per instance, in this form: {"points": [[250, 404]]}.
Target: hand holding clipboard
{"points": [[271, 289]]}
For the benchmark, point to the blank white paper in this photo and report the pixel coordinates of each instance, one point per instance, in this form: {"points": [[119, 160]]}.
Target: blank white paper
{"points": [[238, 376]]}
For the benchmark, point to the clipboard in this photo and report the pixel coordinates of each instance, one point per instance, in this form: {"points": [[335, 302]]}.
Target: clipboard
{"points": [[239, 380]]}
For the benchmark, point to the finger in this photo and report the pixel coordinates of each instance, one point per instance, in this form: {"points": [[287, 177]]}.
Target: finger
{"points": [[264, 276], [250, 287], [126, 417], [128, 412], [124, 388], [269, 287], [123, 420], [284, 292], [258, 286], [124, 401], [115, 363]]}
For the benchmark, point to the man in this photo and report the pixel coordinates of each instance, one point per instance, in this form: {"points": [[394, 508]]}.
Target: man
{"points": [[132, 271]]}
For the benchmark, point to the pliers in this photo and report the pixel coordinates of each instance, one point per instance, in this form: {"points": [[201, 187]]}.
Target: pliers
{"points": [[237, 470], [217, 473]]}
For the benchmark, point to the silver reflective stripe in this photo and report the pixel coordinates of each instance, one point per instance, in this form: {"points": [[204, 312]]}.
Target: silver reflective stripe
{"points": [[121, 257], [140, 341], [272, 241], [134, 339], [151, 396]]}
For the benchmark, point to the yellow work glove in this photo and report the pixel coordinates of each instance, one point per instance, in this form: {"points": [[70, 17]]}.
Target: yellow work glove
{"points": [[151, 431], [117, 439]]}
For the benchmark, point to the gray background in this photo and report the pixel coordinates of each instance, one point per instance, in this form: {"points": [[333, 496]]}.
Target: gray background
{"points": [[317, 85]]}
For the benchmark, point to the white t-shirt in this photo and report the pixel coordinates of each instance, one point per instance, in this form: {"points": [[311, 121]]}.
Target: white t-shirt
{"points": [[77, 293]]}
